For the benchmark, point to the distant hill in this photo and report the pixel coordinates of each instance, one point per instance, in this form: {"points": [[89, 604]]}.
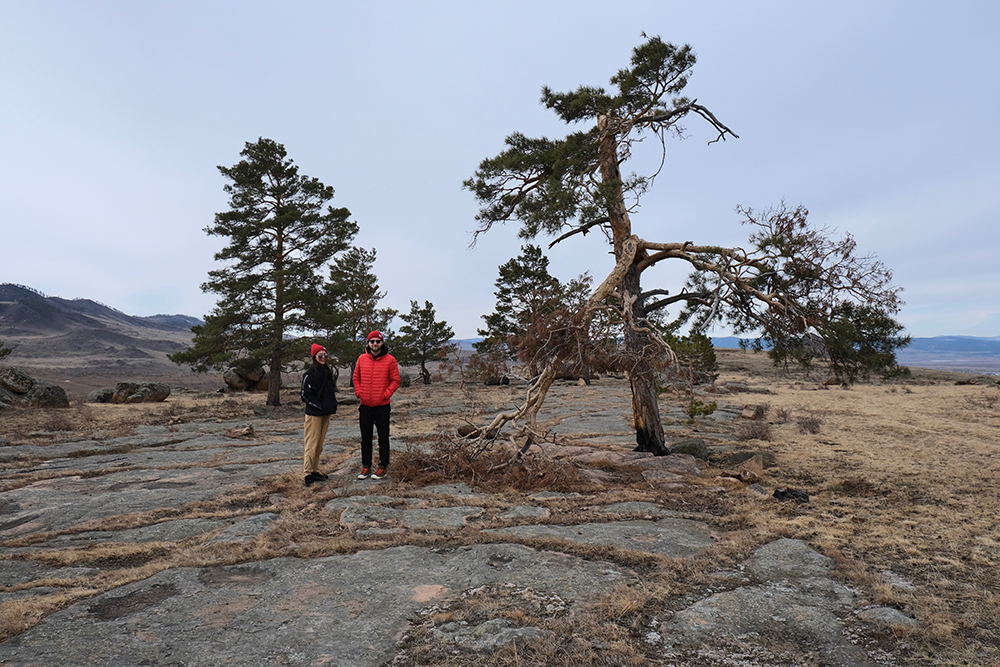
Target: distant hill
{"points": [[24, 310], [967, 354], [466, 343], [56, 333], [48, 331], [183, 322]]}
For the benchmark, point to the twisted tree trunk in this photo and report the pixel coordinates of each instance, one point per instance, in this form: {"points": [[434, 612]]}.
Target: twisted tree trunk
{"points": [[641, 373]]}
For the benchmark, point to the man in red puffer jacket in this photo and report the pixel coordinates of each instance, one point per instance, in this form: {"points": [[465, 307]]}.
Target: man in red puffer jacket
{"points": [[376, 378]]}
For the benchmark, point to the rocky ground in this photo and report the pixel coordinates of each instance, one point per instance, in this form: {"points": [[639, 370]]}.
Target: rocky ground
{"points": [[182, 535]]}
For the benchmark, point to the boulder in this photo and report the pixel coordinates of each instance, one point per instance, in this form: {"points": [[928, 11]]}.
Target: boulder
{"points": [[254, 375], [798, 495], [254, 379], [46, 395], [235, 381], [16, 380], [6, 397], [140, 392], [735, 458], [692, 446], [101, 395], [19, 388]]}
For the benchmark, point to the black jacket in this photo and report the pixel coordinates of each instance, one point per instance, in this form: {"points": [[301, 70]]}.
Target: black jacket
{"points": [[319, 391]]}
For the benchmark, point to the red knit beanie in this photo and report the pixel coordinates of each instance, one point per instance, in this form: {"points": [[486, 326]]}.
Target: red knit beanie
{"points": [[375, 334], [316, 348]]}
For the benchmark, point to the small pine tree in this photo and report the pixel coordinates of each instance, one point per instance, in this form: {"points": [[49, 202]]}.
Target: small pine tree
{"points": [[695, 356], [525, 290], [350, 309], [422, 339], [861, 341]]}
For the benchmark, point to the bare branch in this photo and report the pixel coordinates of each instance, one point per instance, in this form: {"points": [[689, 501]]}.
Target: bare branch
{"points": [[703, 297], [581, 229], [710, 117]]}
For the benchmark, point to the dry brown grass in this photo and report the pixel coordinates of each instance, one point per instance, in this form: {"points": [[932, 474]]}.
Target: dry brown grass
{"points": [[901, 479], [105, 421]]}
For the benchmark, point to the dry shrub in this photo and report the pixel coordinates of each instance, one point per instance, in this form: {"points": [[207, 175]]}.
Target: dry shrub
{"points": [[16, 616], [625, 604], [56, 420], [83, 410], [810, 424], [108, 555], [489, 465], [855, 486], [754, 430], [782, 415]]}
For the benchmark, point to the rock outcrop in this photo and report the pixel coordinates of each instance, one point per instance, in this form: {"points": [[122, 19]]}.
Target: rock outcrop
{"points": [[19, 388], [239, 379], [160, 547], [140, 392]]}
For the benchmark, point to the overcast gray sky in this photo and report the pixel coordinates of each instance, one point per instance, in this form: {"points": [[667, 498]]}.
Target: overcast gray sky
{"points": [[880, 117]]}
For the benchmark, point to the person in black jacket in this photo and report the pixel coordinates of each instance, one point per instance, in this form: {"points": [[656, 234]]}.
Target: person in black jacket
{"points": [[319, 393]]}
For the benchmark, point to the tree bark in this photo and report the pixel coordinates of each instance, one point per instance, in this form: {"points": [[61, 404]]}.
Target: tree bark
{"points": [[642, 375], [274, 381]]}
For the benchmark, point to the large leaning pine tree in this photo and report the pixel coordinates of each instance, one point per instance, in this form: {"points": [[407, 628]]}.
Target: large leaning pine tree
{"points": [[282, 233], [791, 279]]}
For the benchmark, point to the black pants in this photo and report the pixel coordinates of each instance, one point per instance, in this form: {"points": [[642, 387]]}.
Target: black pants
{"points": [[377, 417]]}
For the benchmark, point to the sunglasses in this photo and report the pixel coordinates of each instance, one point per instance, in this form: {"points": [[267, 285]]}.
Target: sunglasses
{"points": [[375, 340]]}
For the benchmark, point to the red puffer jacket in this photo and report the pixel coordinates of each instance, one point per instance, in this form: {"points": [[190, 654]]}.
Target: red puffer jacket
{"points": [[376, 378]]}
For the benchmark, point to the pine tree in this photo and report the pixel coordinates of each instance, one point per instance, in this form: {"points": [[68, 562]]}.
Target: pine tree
{"points": [[525, 291], [793, 275], [280, 237], [860, 341], [423, 339], [350, 309]]}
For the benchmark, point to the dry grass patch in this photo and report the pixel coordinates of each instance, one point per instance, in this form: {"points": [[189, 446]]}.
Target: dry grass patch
{"points": [[902, 481]]}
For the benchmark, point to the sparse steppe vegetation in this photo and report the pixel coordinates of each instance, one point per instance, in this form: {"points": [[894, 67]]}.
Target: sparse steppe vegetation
{"points": [[901, 479]]}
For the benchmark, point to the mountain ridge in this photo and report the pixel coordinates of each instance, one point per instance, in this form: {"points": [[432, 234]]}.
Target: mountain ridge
{"points": [[42, 327], [79, 336], [26, 308]]}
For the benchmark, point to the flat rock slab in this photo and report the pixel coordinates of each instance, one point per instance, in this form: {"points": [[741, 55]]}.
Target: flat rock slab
{"points": [[432, 518], [677, 538], [339, 610], [166, 531], [61, 503], [797, 604]]}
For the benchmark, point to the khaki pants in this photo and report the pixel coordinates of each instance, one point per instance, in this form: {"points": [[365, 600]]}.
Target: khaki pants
{"points": [[315, 435]]}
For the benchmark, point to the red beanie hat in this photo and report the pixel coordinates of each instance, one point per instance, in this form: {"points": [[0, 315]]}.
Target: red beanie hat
{"points": [[374, 334], [316, 348]]}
